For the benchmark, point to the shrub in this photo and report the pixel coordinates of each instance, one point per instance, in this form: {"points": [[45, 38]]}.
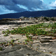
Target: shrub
{"points": [[46, 18], [52, 19], [1, 48]]}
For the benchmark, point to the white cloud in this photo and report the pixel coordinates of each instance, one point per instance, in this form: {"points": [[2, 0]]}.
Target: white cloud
{"points": [[22, 5], [53, 4], [3, 10]]}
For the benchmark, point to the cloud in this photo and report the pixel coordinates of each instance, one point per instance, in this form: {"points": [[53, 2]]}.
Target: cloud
{"points": [[6, 2], [15, 8], [22, 5], [53, 4], [31, 3], [3, 10]]}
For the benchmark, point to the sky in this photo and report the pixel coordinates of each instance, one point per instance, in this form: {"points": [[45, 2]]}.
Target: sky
{"points": [[17, 6]]}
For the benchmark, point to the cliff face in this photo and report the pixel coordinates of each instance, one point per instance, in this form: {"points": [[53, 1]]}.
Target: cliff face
{"points": [[48, 13]]}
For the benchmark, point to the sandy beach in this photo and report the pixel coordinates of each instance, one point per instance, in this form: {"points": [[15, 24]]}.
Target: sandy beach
{"points": [[37, 48]]}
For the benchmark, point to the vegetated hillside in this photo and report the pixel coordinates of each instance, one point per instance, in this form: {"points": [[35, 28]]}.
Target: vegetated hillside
{"points": [[47, 13]]}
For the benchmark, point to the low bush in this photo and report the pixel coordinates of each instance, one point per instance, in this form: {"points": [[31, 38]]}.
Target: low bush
{"points": [[47, 19], [1, 48]]}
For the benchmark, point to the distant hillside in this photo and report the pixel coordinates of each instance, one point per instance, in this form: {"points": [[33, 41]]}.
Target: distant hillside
{"points": [[48, 13]]}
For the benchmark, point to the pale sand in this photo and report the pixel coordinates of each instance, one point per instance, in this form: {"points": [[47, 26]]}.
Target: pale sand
{"points": [[10, 37], [21, 39]]}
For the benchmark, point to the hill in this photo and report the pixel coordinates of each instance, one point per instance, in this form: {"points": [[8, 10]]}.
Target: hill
{"points": [[48, 13]]}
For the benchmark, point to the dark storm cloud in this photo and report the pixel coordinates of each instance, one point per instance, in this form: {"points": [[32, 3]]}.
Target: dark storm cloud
{"points": [[6, 2], [15, 8], [30, 4]]}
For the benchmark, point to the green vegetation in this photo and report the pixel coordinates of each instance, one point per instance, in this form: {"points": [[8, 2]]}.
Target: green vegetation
{"points": [[52, 19], [18, 41], [29, 38], [3, 32], [7, 31], [1, 48], [7, 43], [47, 19], [26, 43], [12, 40], [34, 30], [6, 34]]}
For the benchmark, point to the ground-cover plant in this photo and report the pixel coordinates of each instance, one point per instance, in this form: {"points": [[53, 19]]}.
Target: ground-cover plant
{"points": [[7, 31], [6, 34], [3, 32], [54, 26], [53, 31], [12, 40], [47, 25], [1, 48], [10, 43], [3, 43], [33, 29], [29, 38]]}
